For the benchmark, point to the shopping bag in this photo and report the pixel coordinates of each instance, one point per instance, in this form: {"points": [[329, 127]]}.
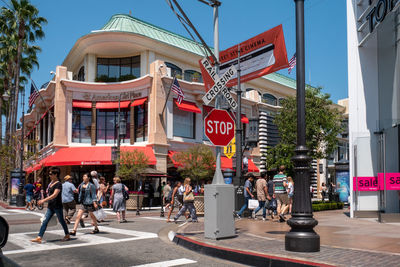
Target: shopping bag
{"points": [[52, 221], [253, 204], [100, 214]]}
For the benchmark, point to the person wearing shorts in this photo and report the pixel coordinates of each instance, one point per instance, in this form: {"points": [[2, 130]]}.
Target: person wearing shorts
{"points": [[88, 200], [280, 191]]}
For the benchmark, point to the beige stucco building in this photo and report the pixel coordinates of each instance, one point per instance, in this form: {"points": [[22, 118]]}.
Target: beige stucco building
{"points": [[130, 63]]}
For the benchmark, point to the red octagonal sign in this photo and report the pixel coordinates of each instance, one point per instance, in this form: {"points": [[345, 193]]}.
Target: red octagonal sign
{"points": [[219, 127]]}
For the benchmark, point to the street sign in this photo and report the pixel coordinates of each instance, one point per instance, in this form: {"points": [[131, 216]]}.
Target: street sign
{"points": [[230, 149], [219, 83], [259, 56], [219, 127]]}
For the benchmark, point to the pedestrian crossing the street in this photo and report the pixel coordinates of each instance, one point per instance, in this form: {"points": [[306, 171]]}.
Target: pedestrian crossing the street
{"points": [[20, 242]]}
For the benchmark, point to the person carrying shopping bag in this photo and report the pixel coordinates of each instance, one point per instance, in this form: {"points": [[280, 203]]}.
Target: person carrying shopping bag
{"points": [[54, 206], [188, 202]]}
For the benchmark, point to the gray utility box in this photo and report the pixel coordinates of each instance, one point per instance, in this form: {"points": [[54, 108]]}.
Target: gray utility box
{"points": [[219, 201]]}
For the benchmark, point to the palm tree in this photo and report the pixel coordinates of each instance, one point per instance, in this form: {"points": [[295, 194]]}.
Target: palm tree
{"points": [[28, 24]]}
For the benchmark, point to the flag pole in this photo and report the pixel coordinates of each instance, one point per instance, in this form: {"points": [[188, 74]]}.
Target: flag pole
{"points": [[35, 87], [166, 99]]}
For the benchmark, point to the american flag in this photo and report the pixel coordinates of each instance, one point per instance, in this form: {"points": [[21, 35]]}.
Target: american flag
{"points": [[292, 63], [176, 88], [33, 96]]}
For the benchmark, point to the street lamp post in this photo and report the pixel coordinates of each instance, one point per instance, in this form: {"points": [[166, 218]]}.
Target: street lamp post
{"points": [[6, 97], [20, 196], [121, 131], [302, 237]]}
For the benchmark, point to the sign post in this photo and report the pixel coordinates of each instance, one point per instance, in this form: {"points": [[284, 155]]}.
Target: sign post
{"points": [[218, 196]]}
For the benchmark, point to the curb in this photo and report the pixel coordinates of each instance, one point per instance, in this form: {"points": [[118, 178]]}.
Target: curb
{"points": [[6, 206], [240, 256]]}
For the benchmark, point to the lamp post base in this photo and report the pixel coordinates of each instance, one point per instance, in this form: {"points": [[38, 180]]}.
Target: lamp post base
{"points": [[302, 237]]}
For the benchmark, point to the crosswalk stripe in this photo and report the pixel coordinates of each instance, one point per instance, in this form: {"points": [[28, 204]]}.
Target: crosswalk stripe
{"points": [[27, 212], [154, 218], [23, 240], [167, 263]]}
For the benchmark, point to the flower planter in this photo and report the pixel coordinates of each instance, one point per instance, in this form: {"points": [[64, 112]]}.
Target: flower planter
{"points": [[131, 203]]}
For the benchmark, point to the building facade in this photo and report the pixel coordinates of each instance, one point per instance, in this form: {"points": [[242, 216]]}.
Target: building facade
{"points": [[374, 106], [130, 64]]}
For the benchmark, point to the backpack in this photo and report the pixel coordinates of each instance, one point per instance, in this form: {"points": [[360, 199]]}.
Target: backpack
{"points": [[124, 192]]}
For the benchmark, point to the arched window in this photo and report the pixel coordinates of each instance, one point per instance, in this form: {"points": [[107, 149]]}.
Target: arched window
{"points": [[193, 76], [175, 70], [281, 101], [81, 74], [269, 99]]}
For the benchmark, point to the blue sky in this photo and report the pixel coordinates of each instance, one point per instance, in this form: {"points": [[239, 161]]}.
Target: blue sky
{"points": [[325, 29]]}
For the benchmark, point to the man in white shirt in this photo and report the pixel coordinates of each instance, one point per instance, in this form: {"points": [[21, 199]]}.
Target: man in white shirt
{"points": [[95, 180]]}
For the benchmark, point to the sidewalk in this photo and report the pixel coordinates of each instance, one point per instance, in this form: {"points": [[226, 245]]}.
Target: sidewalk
{"points": [[344, 242], [7, 206]]}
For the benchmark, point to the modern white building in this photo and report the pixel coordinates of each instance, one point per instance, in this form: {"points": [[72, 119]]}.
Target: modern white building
{"points": [[373, 31]]}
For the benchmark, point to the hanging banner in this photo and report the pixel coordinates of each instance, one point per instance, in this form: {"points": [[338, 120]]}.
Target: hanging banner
{"points": [[259, 56]]}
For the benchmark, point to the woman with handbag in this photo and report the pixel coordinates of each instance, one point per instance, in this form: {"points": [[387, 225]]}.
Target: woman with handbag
{"points": [[118, 190], [88, 199], [188, 202], [54, 205]]}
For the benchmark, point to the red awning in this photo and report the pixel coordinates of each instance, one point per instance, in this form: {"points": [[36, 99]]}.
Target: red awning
{"points": [[29, 170], [112, 105], [139, 102], [80, 156], [244, 119], [147, 150], [187, 106], [227, 164], [81, 104]]}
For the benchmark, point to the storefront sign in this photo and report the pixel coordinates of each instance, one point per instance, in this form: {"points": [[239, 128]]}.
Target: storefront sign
{"points": [[392, 182], [365, 184], [378, 12], [259, 56], [107, 97]]}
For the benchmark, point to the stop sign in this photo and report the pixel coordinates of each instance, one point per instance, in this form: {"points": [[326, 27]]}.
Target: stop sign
{"points": [[219, 127]]}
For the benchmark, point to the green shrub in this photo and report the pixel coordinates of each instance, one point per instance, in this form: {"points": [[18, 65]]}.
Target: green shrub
{"points": [[320, 206]]}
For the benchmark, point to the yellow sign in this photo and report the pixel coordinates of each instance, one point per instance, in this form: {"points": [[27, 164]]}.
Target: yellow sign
{"points": [[230, 149]]}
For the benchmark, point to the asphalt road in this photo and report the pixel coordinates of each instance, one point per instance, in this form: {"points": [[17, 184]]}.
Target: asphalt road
{"points": [[141, 241]]}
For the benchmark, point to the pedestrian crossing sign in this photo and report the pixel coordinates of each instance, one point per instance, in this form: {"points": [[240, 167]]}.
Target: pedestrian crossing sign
{"points": [[230, 149]]}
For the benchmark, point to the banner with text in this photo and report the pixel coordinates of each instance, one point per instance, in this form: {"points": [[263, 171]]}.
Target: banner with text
{"points": [[259, 56], [392, 182]]}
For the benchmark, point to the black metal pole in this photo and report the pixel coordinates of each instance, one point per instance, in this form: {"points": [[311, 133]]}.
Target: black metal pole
{"points": [[161, 201], [239, 135], [118, 137], [302, 237]]}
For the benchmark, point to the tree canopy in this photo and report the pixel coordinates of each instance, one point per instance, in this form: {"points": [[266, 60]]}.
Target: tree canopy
{"points": [[197, 163], [132, 164], [323, 124]]}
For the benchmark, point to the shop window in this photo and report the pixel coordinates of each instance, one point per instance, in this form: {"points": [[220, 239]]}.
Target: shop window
{"points": [[118, 69], [81, 125], [81, 74], [184, 123], [175, 70], [106, 131], [193, 76], [141, 123], [269, 99]]}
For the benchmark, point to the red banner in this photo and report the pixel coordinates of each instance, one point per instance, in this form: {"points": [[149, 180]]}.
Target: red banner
{"points": [[259, 56]]}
